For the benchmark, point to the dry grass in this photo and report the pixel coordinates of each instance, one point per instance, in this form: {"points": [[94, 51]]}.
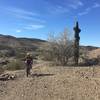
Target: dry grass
{"points": [[1, 70], [54, 83], [94, 53]]}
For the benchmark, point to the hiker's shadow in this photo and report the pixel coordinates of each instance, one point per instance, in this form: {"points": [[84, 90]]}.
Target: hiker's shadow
{"points": [[41, 75]]}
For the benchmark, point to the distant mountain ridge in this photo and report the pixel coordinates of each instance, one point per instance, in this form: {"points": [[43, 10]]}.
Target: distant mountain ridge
{"points": [[10, 44], [89, 48], [7, 40]]}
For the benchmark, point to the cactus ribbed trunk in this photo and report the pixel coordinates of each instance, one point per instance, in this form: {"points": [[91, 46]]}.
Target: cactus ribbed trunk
{"points": [[76, 43]]}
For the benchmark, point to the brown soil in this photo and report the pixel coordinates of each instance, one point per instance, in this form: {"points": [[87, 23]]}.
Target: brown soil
{"points": [[53, 83]]}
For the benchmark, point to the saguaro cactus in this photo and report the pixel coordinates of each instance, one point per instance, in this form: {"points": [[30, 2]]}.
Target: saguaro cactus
{"points": [[77, 30]]}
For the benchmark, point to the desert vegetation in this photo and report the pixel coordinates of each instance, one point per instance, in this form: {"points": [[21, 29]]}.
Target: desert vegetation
{"points": [[58, 49], [53, 75], [15, 65]]}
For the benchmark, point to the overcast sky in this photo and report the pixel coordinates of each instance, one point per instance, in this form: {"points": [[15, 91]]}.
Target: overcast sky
{"points": [[37, 18]]}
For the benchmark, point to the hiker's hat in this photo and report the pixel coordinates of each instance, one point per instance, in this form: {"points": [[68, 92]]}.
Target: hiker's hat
{"points": [[28, 54]]}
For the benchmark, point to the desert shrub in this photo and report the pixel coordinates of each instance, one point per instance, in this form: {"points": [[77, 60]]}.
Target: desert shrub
{"points": [[7, 53], [20, 55], [15, 65], [90, 61], [1, 70], [98, 57], [4, 47], [58, 49], [11, 53]]}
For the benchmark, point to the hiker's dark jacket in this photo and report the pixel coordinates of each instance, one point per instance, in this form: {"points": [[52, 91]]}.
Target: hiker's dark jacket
{"points": [[29, 60]]}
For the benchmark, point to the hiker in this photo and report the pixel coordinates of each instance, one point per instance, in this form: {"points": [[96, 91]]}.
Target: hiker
{"points": [[28, 62]]}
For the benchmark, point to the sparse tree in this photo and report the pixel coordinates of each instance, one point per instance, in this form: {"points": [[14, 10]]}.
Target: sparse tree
{"points": [[59, 48]]}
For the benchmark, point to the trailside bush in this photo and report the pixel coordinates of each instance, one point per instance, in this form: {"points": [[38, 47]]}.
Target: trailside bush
{"points": [[15, 65], [1, 70]]}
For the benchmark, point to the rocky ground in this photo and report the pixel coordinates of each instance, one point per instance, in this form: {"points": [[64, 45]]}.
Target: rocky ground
{"points": [[53, 83]]}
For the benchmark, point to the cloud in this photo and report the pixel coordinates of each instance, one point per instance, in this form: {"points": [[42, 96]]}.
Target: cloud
{"points": [[21, 11], [63, 7], [18, 31], [80, 3], [23, 14], [58, 9], [75, 4], [83, 13], [34, 27], [87, 10], [96, 5], [29, 18], [31, 27]]}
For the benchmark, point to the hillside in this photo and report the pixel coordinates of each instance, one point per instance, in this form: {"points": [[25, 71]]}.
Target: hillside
{"points": [[18, 47], [11, 41], [10, 46], [94, 53], [88, 48]]}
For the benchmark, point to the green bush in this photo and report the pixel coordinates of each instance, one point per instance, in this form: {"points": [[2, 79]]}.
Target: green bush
{"points": [[15, 65], [1, 70], [20, 55]]}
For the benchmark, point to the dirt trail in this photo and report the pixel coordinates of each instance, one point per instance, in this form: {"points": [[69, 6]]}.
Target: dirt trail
{"points": [[53, 83]]}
